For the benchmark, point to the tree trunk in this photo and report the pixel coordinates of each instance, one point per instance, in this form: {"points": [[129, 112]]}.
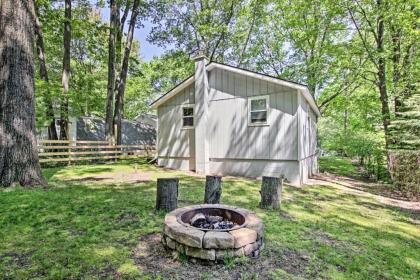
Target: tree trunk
{"points": [[167, 194], [18, 147], [213, 189], [382, 79], [66, 71], [120, 21], [119, 102], [43, 73], [109, 129], [271, 192], [396, 55]]}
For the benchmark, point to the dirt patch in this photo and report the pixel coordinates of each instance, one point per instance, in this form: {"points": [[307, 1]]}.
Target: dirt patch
{"points": [[124, 218], [117, 177], [325, 238], [154, 260], [18, 259], [380, 192]]}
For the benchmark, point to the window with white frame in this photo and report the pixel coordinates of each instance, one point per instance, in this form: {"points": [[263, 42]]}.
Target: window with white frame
{"points": [[188, 116], [258, 110]]}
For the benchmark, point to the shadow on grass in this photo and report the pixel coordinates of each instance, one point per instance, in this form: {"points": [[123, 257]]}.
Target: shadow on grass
{"points": [[80, 229]]}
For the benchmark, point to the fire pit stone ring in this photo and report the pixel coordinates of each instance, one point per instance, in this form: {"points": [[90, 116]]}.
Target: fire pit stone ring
{"points": [[245, 238]]}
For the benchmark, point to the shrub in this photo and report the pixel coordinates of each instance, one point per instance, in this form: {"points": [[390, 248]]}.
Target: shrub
{"points": [[404, 167]]}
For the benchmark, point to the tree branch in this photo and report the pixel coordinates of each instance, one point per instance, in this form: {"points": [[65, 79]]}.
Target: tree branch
{"points": [[362, 39]]}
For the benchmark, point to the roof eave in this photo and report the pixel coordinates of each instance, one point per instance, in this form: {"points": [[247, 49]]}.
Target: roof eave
{"points": [[302, 88], [172, 92]]}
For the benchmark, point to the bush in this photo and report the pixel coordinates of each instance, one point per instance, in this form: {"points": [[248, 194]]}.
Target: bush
{"points": [[404, 167]]}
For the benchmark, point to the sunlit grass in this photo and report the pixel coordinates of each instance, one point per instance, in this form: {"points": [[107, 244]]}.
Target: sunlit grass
{"points": [[89, 229], [339, 166]]}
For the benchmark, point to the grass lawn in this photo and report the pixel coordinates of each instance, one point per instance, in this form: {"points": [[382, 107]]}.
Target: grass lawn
{"points": [[338, 166], [98, 222]]}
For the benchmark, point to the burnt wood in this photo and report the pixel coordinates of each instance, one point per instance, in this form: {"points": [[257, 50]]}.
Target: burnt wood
{"points": [[167, 194], [197, 219], [213, 189], [271, 192]]}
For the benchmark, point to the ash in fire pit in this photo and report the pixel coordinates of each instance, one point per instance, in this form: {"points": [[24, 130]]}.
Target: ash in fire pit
{"points": [[211, 222]]}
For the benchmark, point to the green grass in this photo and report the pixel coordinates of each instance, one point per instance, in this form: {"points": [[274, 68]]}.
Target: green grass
{"points": [[339, 166], [76, 229]]}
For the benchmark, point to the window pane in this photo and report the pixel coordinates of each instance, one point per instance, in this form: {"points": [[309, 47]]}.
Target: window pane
{"points": [[188, 121], [258, 104], [188, 111], [258, 117]]}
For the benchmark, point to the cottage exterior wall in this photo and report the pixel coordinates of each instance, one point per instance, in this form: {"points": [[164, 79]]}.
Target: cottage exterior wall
{"points": [[285, 146]]}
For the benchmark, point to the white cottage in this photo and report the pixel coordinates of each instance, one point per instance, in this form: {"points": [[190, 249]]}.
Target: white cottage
{"points": [[229, 121]]}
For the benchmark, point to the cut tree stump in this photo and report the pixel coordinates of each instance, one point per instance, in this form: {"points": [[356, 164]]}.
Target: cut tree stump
{"points": [[213, 189], [167, 194], [271, 192]]}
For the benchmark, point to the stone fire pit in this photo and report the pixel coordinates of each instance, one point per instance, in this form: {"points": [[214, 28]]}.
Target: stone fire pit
{"points": [[245, 238]]}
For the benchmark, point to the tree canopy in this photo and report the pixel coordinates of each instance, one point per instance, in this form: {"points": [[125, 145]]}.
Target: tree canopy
{"points": [[359, 59]]}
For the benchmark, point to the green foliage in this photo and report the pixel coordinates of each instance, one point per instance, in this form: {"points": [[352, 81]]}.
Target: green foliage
{"points": [[193, 26], [330, 46], [405, 171]]}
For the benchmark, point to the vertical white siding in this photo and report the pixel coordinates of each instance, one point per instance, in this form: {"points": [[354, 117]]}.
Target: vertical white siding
{"points": [[173, 141], [186, 96], [308, 140], [230, 136]]}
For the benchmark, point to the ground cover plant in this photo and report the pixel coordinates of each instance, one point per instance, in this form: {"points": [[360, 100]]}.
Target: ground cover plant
{"points": [[98, 222]]}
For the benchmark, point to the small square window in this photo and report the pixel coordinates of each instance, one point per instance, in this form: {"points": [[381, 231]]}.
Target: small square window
{"points": [[188, 116], [258, 110]]}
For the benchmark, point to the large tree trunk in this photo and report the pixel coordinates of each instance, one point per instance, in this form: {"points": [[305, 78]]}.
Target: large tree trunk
{"points": [[119, 102], [18, 147], [43, 73], [66, 71], [109, 130]]}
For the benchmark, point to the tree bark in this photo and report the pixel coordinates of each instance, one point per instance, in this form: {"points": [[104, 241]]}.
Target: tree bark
{"points": [[213, 189], [120, 21], [271, 192], [119, 102], [382, 76], [109, 129], [43, 73], [65, 80], [167, 194], [19, 162]]}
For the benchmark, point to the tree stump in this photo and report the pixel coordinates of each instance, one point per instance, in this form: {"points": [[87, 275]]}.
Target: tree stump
{"points": [[167, 194], [213, 189], [271, 192]]}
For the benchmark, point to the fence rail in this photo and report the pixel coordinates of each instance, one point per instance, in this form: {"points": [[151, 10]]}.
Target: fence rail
{"points": [[69, 151]]}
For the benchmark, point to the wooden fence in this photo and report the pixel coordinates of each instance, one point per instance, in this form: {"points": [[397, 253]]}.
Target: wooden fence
{"points": [[68, 151]]}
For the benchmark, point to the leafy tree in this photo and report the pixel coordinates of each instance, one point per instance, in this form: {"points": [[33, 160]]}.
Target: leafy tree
{"points": [[43, 73], [122, 78], [194, 26], [65, 80]]}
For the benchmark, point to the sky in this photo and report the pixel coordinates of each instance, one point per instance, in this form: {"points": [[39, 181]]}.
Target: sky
{"points": [[147, 50]]}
